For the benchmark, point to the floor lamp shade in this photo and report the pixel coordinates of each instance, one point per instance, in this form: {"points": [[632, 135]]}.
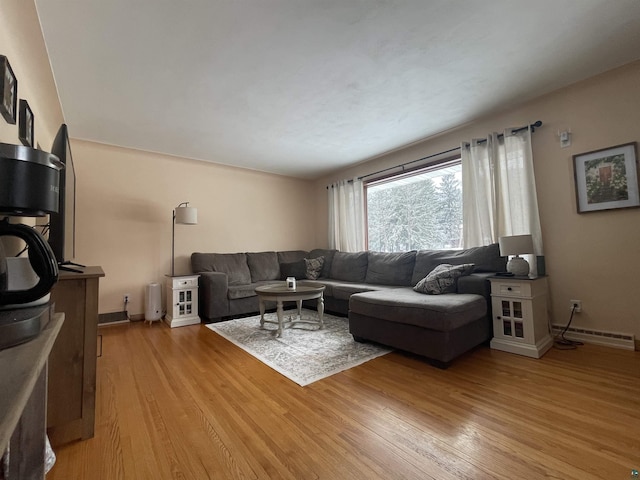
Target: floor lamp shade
{"points": [[516, 245], [187, 215], [183, 214]]}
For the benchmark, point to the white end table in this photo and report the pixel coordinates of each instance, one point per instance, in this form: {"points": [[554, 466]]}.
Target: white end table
{"points": [[182, 300], [520, 319]]}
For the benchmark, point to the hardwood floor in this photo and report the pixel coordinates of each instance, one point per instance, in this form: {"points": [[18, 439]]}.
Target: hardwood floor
{"points": [[185, 403]]}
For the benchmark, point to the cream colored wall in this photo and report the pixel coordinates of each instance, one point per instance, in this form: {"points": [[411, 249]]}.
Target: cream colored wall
{"points": [[593, 257], [125, 200], [22, 43]]}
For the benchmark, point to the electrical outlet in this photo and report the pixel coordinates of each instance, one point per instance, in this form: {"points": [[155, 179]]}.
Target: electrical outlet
{"points": [[126, 298], [577, 304]]}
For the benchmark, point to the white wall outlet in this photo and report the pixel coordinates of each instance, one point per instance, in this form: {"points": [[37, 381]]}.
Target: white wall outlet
{"points": [[577, 304], [126, 298]]}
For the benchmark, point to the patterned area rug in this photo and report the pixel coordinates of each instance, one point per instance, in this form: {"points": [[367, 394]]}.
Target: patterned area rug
{"points": [[304, 353]]}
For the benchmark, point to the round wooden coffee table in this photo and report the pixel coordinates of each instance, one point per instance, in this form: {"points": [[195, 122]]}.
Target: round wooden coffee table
{"points": [[278, 292]]}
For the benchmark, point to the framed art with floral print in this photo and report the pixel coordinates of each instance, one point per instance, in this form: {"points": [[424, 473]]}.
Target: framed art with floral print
{"points": [[607, 179], [8, 91]]}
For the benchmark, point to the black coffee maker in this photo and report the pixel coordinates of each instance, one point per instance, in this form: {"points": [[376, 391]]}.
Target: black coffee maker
{"points": [[29, 187]]}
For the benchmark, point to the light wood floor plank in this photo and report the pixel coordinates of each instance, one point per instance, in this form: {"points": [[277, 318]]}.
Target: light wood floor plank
{"points": [[185, 403]]}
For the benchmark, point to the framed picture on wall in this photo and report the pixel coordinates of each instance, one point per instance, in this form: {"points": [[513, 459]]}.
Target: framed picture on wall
{"points": [[8, 91], [25, 128], [607, 178]]}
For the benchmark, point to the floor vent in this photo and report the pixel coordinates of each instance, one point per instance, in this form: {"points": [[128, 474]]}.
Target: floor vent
{"points": [[599, 337], [112, 318]]}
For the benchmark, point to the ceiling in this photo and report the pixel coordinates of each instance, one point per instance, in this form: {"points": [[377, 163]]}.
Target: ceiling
{"points": [[306, 87]]}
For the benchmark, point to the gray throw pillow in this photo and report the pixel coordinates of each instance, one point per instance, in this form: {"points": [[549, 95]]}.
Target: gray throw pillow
{"points": [[443, 279], [314, 267]]}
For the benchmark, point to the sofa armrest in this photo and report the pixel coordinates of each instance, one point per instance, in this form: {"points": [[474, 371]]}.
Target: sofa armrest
{"points": [[213, 301]]}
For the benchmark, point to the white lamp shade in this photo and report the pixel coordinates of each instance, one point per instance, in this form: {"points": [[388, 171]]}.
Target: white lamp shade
{"points": [[515, 245], [187, 215]]}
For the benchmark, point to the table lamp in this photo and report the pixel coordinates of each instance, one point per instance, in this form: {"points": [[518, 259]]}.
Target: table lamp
{"points": [[516, 245], [185, 215]]}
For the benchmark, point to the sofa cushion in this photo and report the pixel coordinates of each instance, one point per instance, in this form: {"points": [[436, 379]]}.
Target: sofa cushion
{"points": [[298, 270], [486, 259], [351, 267], [241, 291], [436, 312], [328, 286], [263, 266], [313, 267], [237, 292], [290, 256], [443, 279], [202, 262], [328, 259], [233, 264], [390, 268], [343, 291]]}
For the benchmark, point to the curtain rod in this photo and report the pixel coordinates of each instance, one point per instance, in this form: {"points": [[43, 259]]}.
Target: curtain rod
{"points": [[402, 165]]}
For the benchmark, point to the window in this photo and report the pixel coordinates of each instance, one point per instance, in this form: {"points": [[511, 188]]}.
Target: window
{"points": [[417, 210]]}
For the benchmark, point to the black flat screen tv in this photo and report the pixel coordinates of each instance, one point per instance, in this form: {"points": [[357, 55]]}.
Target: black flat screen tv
{"points": [[62, 225]]}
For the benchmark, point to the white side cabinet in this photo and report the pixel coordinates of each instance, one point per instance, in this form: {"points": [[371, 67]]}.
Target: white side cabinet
{"points": [[182, 300], [520, 319]]}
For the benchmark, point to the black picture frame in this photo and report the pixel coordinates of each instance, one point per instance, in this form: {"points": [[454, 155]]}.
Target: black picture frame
{"points": [[8, 91], [25, 127], [607, 179]]}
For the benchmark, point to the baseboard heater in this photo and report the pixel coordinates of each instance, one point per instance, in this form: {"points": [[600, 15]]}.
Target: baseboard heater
{"points": [[113, 318], [625, 341]]}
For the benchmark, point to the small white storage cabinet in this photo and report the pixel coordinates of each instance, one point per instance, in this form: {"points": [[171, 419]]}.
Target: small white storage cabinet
{"points": [[182, 300], [520, 319]]}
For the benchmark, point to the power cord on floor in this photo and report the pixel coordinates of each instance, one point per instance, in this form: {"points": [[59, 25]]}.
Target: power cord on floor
{"points": [[564, 343]]}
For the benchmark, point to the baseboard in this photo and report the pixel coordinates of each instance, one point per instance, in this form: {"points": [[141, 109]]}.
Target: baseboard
{"points": [[113, 318], [113, 324], [625, 341], [182, 322]]}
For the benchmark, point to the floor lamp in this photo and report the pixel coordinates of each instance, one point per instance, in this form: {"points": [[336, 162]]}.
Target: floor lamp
{"points": [[184, 215]]}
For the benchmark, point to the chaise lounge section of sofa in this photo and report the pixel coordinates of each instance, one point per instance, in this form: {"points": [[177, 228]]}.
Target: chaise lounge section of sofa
{"points": [[374, 289]]}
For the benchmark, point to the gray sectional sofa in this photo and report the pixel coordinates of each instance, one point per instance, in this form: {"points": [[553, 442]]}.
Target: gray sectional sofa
{"points": [[374, 289]]}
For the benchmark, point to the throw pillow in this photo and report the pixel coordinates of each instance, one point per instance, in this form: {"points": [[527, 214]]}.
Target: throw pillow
{"points": [[443, 279], [314, 267]]}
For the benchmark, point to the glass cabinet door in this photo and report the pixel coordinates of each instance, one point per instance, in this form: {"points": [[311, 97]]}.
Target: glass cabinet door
{"points": [[512, 318], [184, 302]]}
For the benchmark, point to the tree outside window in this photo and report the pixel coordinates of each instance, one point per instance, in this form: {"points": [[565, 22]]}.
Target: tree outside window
{"points": [[421, 210]]}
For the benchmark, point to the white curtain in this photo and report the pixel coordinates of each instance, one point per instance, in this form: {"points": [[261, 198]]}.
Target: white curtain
{"points": [[499, 191], [346, 216]]}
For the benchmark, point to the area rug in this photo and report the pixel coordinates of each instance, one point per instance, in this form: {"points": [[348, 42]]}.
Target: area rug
{"points": [[304, 353]]}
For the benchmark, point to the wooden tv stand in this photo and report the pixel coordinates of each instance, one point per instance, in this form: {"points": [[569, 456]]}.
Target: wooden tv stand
{"points": [[72, 363]]}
